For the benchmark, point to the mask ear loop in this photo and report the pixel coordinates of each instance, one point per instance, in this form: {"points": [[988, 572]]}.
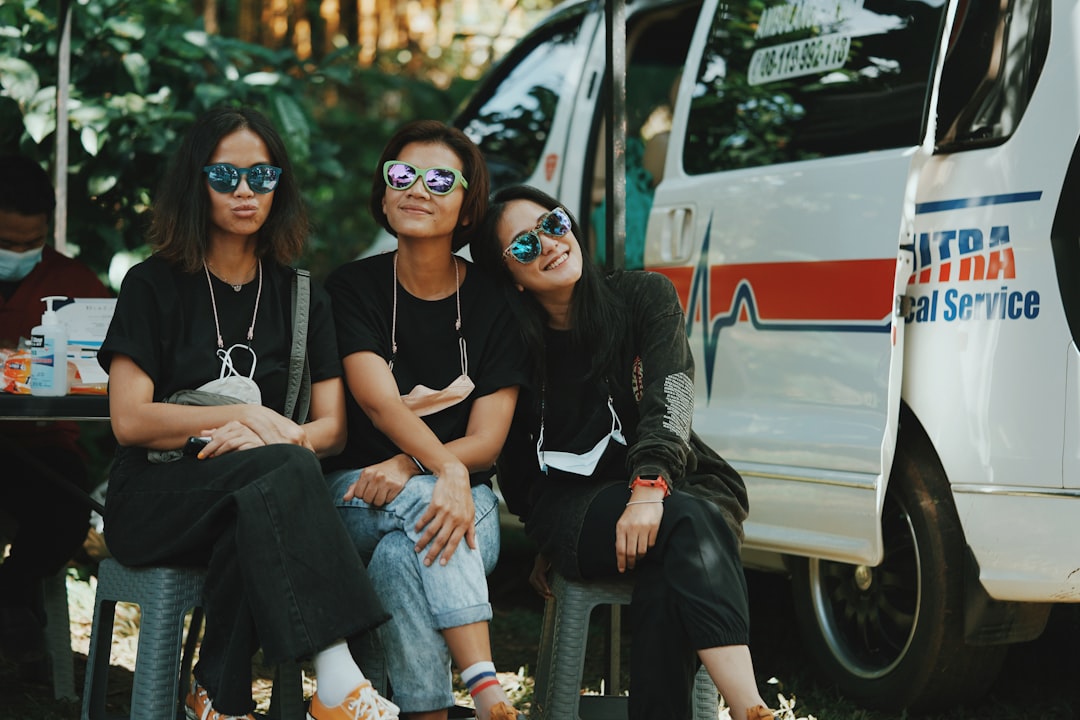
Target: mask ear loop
{"points": [[227, 362], [462, 347]]}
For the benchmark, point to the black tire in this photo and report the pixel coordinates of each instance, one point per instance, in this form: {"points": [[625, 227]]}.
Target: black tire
{"points": [[892, 636]]}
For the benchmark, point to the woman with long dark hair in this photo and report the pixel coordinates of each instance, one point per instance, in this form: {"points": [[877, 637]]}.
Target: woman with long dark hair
{"points": [[603, 467], [212, 310]]}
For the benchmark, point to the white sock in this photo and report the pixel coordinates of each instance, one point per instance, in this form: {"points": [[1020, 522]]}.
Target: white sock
{"points": [[483, 686], [336, 674]]}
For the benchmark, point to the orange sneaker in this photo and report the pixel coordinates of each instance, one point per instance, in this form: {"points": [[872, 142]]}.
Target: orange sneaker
{"points": [[505, 711], [363, 703], [197, 706]]}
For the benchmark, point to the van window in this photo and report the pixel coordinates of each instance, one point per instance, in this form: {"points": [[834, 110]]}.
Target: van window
{"points": [[657, 41], [799, 79], [510, 117], [995, 56]]}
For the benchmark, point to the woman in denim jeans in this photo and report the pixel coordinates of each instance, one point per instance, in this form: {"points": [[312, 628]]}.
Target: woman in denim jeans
{"points": [[432, 364]]}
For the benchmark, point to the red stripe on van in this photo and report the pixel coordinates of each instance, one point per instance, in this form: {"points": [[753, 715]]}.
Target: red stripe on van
{"points": [[835, 290]]}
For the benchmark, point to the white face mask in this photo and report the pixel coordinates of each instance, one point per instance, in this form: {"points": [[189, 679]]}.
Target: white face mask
{"points": [[232, 383], [584, 464], [14, 266]]}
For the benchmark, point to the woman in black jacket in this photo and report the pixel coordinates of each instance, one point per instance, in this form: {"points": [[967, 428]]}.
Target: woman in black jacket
{"points": [[602, 465]]}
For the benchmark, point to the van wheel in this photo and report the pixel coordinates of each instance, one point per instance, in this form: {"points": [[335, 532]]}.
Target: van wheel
{"points": [[892, 636]]}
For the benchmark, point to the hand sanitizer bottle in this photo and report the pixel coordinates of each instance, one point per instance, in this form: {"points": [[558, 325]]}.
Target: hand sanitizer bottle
{"points": [[48, 352]]}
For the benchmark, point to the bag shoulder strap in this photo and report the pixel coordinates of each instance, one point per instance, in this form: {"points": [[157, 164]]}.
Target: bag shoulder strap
{"points": [[298, 394]]}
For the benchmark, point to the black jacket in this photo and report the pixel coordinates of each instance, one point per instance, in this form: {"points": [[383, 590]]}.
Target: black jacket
{"points": [[655, 403]]}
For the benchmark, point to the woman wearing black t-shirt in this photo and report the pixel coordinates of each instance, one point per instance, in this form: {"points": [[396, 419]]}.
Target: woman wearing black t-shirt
{"points": [[432, 364], [215, 301], [603, 467]]}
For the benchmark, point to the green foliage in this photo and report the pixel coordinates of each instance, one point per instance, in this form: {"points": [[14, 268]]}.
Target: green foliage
{"points": [[141, 72]]}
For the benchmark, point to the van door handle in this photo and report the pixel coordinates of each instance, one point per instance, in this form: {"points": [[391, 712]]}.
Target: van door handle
{"points": [[678, 236]]}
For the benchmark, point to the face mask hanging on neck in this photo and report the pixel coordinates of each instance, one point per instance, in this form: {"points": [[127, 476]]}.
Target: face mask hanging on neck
{"points": [[422, 400], [232, 383], [14, 266], [585, 463]]}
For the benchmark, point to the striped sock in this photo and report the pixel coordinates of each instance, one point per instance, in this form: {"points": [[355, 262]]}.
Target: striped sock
{"points": [[479, 677]]}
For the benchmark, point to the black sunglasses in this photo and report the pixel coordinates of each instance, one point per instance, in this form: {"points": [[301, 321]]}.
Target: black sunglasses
{"points": [[526, 247], [225, 177]]}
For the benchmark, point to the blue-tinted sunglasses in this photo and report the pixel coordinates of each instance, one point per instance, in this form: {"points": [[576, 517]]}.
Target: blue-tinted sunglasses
{"points": [[225, 177], [527, 247], [438, 180]]}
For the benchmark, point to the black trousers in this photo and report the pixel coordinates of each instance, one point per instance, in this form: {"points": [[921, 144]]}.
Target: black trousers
{"points": [[689, 594], [282, 572], [52, 524]]}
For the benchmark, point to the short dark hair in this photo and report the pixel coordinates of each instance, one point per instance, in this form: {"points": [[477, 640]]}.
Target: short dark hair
{"points": [[473, 168], [181, 209], [25, 187]]}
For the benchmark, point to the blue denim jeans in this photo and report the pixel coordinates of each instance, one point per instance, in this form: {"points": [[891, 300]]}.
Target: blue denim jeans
{"points": [[423, 599]]}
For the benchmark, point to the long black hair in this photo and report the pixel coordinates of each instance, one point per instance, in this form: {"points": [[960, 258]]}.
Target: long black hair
{"points": [[599, 321], [181, 210]]}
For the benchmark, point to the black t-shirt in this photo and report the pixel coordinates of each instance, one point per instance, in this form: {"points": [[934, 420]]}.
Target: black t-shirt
{"points": [[362, 293], [575, 407], [164, 321]]}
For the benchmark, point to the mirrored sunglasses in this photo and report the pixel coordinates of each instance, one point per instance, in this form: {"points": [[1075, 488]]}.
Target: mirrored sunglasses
{"points": [[438, 180], [225, 177], [526, 247]]}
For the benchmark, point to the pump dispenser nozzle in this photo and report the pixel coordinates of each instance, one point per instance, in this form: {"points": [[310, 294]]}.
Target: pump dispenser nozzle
{"points": [[49, 316]]}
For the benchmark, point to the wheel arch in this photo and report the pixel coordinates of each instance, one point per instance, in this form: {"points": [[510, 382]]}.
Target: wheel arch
{"points": [[986, 621]]}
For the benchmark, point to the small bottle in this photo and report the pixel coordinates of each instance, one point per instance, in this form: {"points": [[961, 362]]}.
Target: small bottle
{"points": [[48, 353]]}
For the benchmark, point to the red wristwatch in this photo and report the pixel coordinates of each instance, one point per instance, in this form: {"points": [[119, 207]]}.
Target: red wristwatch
{"points": [[653, 481]]}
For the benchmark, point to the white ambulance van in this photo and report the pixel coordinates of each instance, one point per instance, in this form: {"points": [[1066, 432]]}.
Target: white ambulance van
{"points": [[871, 211]]}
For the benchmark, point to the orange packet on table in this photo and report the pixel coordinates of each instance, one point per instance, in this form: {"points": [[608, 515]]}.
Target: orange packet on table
{"points": [[76, 386], [16, 377]]}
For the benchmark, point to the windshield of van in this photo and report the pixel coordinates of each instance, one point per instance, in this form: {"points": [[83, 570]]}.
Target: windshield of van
{"points": [[510, 116]]}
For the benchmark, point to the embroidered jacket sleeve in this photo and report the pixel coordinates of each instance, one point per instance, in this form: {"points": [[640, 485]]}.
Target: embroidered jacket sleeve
{"points": [[662, 377]]}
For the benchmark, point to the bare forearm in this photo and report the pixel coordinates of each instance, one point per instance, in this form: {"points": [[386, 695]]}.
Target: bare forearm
{"points": [[326, 436], [163, 426], [411, 435]]}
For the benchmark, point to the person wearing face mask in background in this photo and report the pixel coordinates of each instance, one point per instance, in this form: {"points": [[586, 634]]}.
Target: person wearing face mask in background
{"points": [[50, 524]]}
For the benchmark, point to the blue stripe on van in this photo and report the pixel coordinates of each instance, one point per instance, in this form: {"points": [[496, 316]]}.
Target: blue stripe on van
{"points": [[1006, 199]]}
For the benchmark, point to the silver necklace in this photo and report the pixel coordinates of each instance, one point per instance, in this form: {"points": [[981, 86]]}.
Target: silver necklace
{"points": [[237, 287], [213, 303]]}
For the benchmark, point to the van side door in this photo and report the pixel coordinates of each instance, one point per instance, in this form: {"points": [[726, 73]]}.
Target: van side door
{"points": [[780, 219]]}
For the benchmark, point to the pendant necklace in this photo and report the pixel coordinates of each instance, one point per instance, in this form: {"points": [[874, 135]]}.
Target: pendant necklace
{"points": [[237, 287], [213, 303]]}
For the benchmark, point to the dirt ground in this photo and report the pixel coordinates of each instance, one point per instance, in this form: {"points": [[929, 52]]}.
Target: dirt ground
{"points": [[515, 632], [1039, 679]]}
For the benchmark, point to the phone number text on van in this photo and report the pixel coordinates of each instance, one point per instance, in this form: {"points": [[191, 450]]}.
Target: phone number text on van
{"points": [[794, 59]]}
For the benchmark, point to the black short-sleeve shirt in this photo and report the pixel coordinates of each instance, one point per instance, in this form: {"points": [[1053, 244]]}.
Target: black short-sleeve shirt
{"points": [[164, 321], [362, 293]]}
